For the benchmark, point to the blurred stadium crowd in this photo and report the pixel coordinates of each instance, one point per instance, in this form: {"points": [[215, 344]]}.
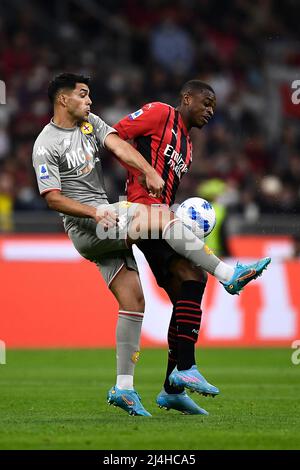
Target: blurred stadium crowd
{"points": [[141, 51]]}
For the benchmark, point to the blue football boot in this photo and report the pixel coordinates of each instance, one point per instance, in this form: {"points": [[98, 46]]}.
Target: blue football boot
{"points": [[180, 402], [193, 380], [128, 400], [244, 273]]}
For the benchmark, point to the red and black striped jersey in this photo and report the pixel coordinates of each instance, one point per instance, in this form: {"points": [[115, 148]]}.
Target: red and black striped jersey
{"points": [[160, 135]]}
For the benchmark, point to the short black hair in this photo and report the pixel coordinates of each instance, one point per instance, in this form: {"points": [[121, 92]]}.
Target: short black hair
{"points": [[195, 86], [65, 80]]}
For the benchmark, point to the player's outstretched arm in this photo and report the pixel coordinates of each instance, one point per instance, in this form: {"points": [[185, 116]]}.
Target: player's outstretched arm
{"points": [[127, 154], [60, 203]]}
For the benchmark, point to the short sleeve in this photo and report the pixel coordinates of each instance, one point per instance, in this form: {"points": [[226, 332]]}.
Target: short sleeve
{"points": [[101, 129], [46, 168], [144, 121]]}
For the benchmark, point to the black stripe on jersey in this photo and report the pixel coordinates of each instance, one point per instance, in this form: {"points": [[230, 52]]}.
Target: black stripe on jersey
{"points": [[144, 147], [184, 153], [162, 137], [166, 165]]}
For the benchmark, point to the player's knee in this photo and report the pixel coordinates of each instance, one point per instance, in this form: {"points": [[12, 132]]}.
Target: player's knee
{"points": [[134, 303], [139, 303], [203, 276]]}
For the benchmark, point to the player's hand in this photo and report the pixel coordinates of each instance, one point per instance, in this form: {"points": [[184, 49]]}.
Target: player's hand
{"points": [[107, 216], [154, 183]]}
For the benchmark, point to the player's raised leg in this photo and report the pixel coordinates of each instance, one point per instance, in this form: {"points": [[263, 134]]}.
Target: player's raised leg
{"points": [[187, 244], [127, 289]]}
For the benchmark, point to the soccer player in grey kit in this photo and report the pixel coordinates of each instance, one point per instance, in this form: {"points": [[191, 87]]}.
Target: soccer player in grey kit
{"points": [[66, 158]]}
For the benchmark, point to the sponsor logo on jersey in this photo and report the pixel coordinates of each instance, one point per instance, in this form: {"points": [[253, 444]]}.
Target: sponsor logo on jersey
{"points": [[176, 162], [136, 114], [75, 158], [43, 172], [82, 158], [86, 128]]}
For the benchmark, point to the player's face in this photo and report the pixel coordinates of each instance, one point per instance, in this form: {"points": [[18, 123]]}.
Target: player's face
{"points": [[78, 102], [201, 108]]}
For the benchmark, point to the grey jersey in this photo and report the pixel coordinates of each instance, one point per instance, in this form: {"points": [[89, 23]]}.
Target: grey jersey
{"points": [[65, 159]]}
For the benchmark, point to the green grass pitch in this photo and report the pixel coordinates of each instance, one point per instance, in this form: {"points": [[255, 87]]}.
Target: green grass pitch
{"points": [[56, 399]]}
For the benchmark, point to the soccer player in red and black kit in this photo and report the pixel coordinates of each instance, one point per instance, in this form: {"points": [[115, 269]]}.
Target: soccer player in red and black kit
{"points": [[161, 134]]}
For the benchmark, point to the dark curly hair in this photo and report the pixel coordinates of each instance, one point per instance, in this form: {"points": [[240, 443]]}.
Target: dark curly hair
{"points": [[65, 80]]}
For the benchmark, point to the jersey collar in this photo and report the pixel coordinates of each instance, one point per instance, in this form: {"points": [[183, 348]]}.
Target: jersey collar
{"points": [[66, 129]]}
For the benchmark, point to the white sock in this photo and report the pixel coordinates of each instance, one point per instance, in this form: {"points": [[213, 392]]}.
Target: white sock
{"points": [[223, 272], [125, 382]]}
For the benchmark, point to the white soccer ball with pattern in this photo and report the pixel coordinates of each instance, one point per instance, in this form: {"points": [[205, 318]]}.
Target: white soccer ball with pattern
{"points": [[198, 214]]}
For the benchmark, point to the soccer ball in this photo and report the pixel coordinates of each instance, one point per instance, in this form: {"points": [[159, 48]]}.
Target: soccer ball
{"points": [[198, 214]]}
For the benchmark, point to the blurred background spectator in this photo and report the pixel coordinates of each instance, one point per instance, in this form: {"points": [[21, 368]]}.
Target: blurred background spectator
{"points": [[136, 52]]}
